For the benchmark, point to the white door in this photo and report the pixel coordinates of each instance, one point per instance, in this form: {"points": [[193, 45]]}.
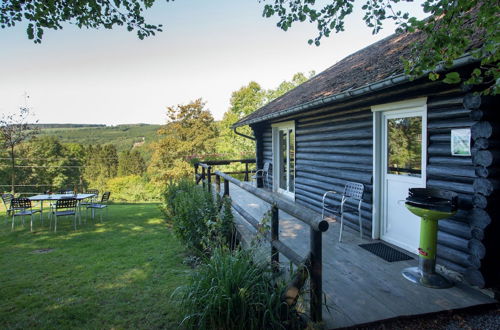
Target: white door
{"points": [[403, 166], [284, 158]]}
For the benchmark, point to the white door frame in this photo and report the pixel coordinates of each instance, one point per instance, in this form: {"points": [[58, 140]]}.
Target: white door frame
{"points": [[418, 104], [275, 143]]}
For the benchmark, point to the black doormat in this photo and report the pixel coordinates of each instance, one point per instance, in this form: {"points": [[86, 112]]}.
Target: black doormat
{"points": [[385, 252]]}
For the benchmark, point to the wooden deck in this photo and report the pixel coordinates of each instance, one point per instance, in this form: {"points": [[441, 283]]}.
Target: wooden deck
{"points": [[359, 286]]}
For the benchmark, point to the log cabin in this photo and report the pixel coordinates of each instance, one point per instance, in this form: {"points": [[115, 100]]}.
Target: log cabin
{"points": [[364, 120]]}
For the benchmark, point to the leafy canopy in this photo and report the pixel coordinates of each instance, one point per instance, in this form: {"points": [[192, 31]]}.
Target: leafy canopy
{"points": [[42, 14], [452, 30]]}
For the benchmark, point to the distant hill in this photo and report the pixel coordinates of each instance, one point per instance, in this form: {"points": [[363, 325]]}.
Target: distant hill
{"points": [[124, 137]]}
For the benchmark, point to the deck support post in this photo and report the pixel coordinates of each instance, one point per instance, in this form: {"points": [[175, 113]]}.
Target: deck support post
{"points": [[246, 172], [226, 187], [196, 173], [316, 271], [217, 184], [275, 255], [209, 178], [203, 176]]}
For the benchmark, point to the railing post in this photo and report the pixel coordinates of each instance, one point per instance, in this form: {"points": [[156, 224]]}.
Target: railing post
{"points": [[275, 255], [209, 178], [226, 187], [217, 184], [246, 172], [196, 173], [316, 271], [203, 176]]}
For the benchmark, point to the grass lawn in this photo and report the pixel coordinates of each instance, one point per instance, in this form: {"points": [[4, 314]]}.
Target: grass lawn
{"points": [[115, 274]]}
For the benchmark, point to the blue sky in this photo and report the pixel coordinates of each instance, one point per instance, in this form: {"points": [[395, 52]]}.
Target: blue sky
{"points": [[208, 49]]}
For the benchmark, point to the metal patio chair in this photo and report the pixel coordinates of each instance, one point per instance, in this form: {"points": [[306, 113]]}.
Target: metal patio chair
{"points": [[263, 174], [100, 206], [91, 200], [63, 208], [21, 207], [353, 191], [6, 199]]}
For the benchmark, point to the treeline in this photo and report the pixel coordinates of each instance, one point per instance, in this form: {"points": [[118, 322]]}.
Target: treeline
{"points": [[45, 164], [67, 125]]}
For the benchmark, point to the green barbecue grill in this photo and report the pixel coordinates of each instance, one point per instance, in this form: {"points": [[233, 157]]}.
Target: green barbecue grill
{"points": [[431, 205]]}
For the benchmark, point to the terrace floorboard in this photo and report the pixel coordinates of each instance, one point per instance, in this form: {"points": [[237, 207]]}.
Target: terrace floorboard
{"points": [[360, 287]]}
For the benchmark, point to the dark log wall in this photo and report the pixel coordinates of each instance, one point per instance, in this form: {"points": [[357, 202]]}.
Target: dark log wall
{"points": [[333, 148]]}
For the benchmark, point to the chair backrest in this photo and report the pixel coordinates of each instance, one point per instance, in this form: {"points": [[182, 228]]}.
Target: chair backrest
{"points": [[92, 191], [354, 190], [267, 166], [6, 199], [105, 197], [20, 203], [66, 203]]}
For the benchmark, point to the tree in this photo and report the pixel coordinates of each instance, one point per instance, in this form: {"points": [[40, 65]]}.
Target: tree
{"points": [[190, 130], [95, 14], [14, 129], [131, 163], [452, 30]]}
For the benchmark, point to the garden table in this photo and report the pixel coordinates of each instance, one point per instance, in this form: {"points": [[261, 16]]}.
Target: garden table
{"points": [[54, 197]]}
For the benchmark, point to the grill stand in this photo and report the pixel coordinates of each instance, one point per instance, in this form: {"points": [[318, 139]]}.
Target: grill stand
{"points": [[425, 274]]}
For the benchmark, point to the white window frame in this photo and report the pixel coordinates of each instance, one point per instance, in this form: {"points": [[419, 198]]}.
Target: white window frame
{"points": [[275, 144]]}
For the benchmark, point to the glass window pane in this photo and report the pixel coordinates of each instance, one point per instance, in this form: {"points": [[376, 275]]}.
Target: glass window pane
{"points": [[283, 159], [404, 146]]}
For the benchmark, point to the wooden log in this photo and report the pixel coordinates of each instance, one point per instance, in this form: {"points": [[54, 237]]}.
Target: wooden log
{"points": [[335, 116], [486, 157], [477, 233], [479, 218], [334, 165], [317, 196], [226, 187], [474, 277], [472, 101], [450, 171], [476, 248], [448, 113], [451, 161], [334, 127], [315, 192], [485, 114], [347, 159], [453, 241], [440, 138], [485, 186], [325, 182], [446, 125], [451, 265], [481, 129], [439, 149], [449, 185], [439, 102], [343, 174], [487, 172], [455, 228], [341, 135], [459, 257], [336, 150], [479, 201], [217, 184], [337, 143]]}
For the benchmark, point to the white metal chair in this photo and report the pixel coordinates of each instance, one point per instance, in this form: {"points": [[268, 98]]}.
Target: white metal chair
{"points": [[263, 174], [63, 208], [100, 206], [21, 207], [352, 191]]}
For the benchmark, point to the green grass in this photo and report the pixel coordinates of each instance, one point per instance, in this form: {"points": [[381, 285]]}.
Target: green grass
{"points": [[115, 274]]}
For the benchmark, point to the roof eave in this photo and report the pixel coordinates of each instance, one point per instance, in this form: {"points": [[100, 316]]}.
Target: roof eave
{"points": [[373, 87]]}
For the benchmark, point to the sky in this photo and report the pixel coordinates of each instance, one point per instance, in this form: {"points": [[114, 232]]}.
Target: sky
{"points": [[208, 49]]}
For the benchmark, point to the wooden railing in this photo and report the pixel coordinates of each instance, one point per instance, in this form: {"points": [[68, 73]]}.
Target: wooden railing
{"points": [[207, 169], [310, 266]]}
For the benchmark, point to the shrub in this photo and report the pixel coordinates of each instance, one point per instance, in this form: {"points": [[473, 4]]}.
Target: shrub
{"points": [[131, 188], [234, 291]]}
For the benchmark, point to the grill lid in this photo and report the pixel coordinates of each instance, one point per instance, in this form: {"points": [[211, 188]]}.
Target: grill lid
{"points": [[433, 199]]}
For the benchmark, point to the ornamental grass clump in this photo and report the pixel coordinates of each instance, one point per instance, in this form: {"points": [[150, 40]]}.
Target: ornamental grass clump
{"points": [[234, 291]]}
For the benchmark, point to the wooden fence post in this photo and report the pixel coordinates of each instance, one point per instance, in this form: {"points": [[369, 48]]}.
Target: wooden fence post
{"points": [[196, 173], [209, 178], [203, 176], [226, 187], [316, 270], [246, 172], [275, 255], [217, 184]]}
